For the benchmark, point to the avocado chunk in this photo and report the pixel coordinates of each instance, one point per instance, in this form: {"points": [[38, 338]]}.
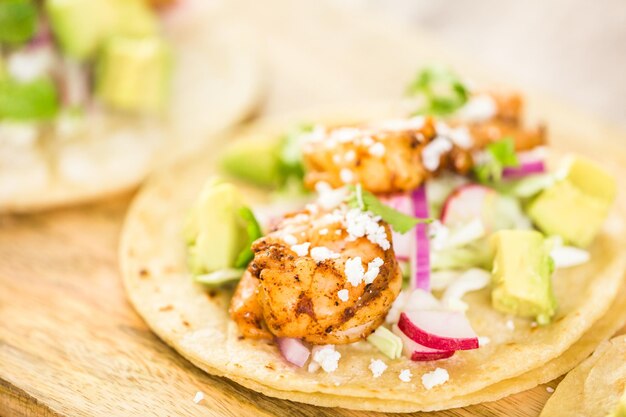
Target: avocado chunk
{"points": [[133, 74], [254, 160], [218, 233], [18, 21], [81, 27], [575, 208], [522, 270], [34, 100], [268, 162]]}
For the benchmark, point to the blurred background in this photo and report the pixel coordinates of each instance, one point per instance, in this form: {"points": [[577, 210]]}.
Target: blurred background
{"points": [[572, 49]]}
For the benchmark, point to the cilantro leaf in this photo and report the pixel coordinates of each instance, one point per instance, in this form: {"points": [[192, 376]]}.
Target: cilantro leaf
{"points": [[440, 89], [499, 155], [254, 232], [366, 201]]}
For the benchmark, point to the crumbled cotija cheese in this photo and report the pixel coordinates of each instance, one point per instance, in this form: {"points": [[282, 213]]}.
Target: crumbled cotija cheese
{"points": [[346, 176], [343, 295], [323, 232], [320, 254], [354, 271], [359, 224], [290, 240], [431, 154], [373, 269], [377, 149], [437, 377], [405, 375], [198, 397], [301, 249], [326, 357], [377, 367]]}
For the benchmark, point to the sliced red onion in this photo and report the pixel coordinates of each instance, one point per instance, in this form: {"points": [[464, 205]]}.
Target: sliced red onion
{"points": [[421, 254], [524, 169], [293, 350]]}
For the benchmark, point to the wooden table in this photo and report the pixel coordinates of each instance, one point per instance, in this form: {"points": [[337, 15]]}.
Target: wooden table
{"points": [[70, 344]]}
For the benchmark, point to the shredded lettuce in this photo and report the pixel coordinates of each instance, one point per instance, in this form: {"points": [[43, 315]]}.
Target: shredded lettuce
{"points": [[478, 254], [254, 232], [387, 342], [366, 201], [219, 277], [498, 155], [440, 90]]}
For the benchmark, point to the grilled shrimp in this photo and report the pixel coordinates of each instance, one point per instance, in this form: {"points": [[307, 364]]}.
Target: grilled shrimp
{"points": [[398, 156], [312, 278], [385, 159]]}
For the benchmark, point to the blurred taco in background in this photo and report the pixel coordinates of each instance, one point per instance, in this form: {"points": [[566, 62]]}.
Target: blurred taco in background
{"points": [[94, 93]]}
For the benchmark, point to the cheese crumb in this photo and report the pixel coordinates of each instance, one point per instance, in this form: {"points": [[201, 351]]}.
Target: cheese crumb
{"points": [[323, 232], [377, 367], [350, 156], [510, 325], [354, 271], [405, 375], [328, 197], [377, 149], [431, 154], [320, 254], [346, 175], [343, 295], [360, 224], [290, 240], [483, 340], [437, 377], [301, 249], [550, 389], [368, 141], [373, 269], [326, 357], [198, 397]]}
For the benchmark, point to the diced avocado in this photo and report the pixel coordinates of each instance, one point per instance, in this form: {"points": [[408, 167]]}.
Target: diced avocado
{"points": [[18, 21], [273, 162], [81, 26], [35, 100], [591, 179], [218, 231], [522, 270], [576, 206], [133, 74], [254, 160]]}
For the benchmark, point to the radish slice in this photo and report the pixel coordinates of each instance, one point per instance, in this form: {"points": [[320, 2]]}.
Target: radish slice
{"points": [[293, 351], [420, 259], [524, 169], [417, 352], [467, 203], [443, 330]]}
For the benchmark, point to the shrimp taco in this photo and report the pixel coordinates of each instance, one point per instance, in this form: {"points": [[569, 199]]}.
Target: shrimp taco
{"points": [[94, 92], [380, 260]]}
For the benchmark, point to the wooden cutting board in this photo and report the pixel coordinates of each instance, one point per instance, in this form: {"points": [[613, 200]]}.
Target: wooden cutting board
{"points": [[70, 344]]}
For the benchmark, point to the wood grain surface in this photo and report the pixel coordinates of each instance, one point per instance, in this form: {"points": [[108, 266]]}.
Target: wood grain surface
{"points": [[70, 344]]}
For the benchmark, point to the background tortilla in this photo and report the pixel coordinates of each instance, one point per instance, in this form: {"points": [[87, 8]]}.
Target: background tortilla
{"points": [[216, 83], [593, 388], [195, 321]]}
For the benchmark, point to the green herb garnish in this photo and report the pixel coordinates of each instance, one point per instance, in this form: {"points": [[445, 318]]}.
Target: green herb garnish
{"points": [[254, 232], [366, 201], [499, 155], [440, 89]]}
